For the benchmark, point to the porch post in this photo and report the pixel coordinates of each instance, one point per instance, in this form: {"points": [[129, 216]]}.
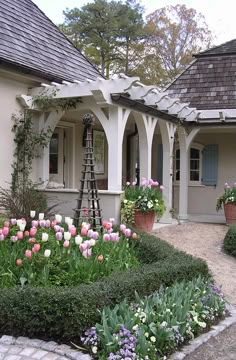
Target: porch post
{"points": [[115, 131], [146, 125], [184, 145], [167, 135]]}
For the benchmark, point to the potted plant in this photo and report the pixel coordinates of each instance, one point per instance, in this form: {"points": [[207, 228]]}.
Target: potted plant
{"points": [[228, 200], [142, 203]]}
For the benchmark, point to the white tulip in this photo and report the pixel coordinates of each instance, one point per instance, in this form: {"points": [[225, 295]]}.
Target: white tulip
{"points": [[47, 253], [78, 240], [19, 222], [67, 219], [22, 226], [58, 218], [92, 242], [41, 216], [44, 237], [32, 214], [67, 235]]}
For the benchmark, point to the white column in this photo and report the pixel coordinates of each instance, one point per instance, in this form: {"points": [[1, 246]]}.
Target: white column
{"points": [[115, 131], [184, 146], [167, 134], [146, 125]]}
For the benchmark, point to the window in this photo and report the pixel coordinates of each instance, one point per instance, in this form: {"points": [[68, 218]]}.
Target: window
{"points": [[203, 164], [53, 151], [195, 164]]}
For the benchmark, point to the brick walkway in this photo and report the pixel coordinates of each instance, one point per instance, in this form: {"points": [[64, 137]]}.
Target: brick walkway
{"points": [[22, 348]]}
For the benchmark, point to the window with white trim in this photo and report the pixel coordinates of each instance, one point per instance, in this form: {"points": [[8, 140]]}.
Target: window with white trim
{"points": [[195, 164]]}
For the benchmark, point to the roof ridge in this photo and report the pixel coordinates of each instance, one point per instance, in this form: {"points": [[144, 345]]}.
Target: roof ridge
{"points": [[208, 51]]}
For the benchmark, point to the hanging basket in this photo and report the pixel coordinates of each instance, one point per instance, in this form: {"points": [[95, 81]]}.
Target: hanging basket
{"points": [[144, 222], [230, 213]]}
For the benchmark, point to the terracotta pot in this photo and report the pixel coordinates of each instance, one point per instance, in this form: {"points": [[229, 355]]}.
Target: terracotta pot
{"points": [[144, 222], [230, 213]]}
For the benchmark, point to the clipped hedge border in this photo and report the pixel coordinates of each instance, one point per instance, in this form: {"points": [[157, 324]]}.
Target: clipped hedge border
{"points": [[62, 314], [230, 241]]}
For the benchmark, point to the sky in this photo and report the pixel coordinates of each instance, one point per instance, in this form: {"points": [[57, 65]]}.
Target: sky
{"points": [[219, 15]]}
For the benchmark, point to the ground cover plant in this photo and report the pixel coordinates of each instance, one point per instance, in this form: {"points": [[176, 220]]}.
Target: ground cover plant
{"points": [[153, 327], [54, 254]]}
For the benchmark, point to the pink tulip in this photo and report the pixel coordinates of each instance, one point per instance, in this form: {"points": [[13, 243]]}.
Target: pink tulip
{"points": [[13, 221], [59, 235], [48, 223], [95, 235], [122, 227], [134, 236], [134, 183], [53, 223], [127, 183], [83, 231], [31, 240], [26, 233], [28, 254], [150, 182], [18, 262], [112, 220], [87, 253], [104, 222], [2, 237], [106, 237], [66, 244], [90, 233], [161, 187], [33, 231], [5, 231], [73, 231], [108, 225], [1, 231], [42, 223], [114, 237], [14, 238], [6, 224], [35, 223], [36, 248], [57, 228], [127, 232]]}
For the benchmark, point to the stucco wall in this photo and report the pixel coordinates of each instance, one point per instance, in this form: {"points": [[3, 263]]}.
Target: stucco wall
{"points": [[202, 199], [9, 89]]}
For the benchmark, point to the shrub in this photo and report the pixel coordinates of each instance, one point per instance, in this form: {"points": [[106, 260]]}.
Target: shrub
{"points": [[230, 241], [63, 314]]}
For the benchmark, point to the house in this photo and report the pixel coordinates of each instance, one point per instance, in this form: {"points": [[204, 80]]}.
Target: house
{"points": [[135, 125]]}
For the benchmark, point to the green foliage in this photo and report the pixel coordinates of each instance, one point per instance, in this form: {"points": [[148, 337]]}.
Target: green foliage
{"points": [[64, 313], [157, 324], [229, 196], [230, 241], [64, 266], [107, 32], [145, 198]]}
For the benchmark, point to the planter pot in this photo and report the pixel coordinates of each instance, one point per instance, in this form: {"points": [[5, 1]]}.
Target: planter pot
{"points": [[230, 213], [144, 222]]}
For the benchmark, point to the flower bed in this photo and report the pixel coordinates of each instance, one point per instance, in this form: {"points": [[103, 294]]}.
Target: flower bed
{"points": [[63, 313], [153, 327], [50, 254]]}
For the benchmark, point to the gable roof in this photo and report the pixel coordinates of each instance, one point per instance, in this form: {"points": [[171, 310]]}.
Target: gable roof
{"points": [[29, 40], [210, 81]]}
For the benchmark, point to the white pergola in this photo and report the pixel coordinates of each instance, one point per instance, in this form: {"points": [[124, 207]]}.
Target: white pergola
{"points": [[112, 101]]}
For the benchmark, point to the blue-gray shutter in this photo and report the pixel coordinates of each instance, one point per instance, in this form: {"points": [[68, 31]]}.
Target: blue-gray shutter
{"points": [[210, 165], [159, 163]]}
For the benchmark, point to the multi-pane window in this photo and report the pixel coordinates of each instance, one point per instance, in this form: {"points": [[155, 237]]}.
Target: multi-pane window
{"points": [[195, 154], [53, 154], [194, 164]]}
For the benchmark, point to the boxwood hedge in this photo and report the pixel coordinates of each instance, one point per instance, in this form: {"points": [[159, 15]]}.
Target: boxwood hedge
{"points": [[62, 314], [230, 241]]}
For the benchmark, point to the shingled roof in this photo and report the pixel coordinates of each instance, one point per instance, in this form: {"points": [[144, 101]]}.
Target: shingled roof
{"points": [[30, 41], [210, 81]]}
